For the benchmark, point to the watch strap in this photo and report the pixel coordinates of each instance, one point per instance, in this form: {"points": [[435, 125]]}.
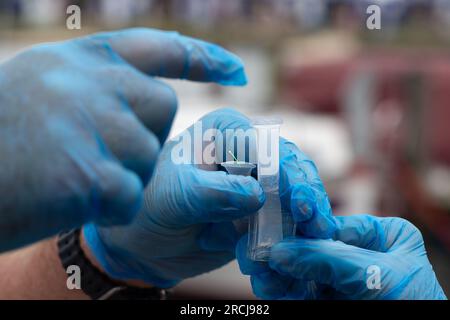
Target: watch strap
{"points": [[94, 283]]}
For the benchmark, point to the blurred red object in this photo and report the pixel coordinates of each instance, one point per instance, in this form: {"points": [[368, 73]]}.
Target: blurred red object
{"points": [[318, 88], [416, 85]]}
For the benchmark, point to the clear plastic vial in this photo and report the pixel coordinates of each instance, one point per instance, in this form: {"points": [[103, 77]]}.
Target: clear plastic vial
{"points": [[269, 225], [239, 168]]}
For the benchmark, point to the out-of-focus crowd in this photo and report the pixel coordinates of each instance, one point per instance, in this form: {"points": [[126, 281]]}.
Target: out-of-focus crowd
{"points": [[301, 14]]}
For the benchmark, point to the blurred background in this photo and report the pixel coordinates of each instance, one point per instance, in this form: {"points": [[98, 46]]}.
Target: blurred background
{"points": [[372, 108]]}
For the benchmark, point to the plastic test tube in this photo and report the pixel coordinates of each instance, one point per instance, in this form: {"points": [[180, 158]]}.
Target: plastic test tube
{"points": [[240, 168], [270, 225]]}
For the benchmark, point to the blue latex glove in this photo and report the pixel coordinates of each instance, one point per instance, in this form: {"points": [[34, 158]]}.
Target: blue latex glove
{"points": [[81, 123], [186, 228], [303, 194], [365, 251]]}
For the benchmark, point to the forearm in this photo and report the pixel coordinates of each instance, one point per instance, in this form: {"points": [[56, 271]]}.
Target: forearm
{"points": [[35, 272]]}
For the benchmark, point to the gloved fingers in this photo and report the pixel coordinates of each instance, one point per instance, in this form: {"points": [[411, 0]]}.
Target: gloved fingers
{"points": [[266, 283], [214, 196], [153, 102], [302, 193], [225, 118], [378, 234], [219, 237], [130, 142], [363, 231], [218, 129], [116, 196], [306, 290], [306, 200], [332, 263], [246, 265], [272, 285], [171, 55], [238, 136]]}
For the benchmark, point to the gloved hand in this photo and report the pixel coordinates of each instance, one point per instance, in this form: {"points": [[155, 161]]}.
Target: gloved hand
{"points": [[186, 228], [81, 123], [303, 194], [368, 258]]}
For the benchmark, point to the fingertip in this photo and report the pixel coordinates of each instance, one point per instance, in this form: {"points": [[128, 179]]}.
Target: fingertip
{"points": [[227, 119], [226, 113], [320, 227], [121, 195], [280, 256], [131, 142], [227, 69], [302, 203], [236, 78], [144, 163], [254, 194], [311, 211], [166, 99], [152, 154], [301, 206], [219, 197], [128, 201]]}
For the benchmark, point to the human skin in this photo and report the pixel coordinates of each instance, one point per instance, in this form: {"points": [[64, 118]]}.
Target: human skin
{"points": [[36, 273]]}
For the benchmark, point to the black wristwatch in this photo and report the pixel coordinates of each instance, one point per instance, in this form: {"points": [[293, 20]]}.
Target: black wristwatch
{"points": [[94, 283]]}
